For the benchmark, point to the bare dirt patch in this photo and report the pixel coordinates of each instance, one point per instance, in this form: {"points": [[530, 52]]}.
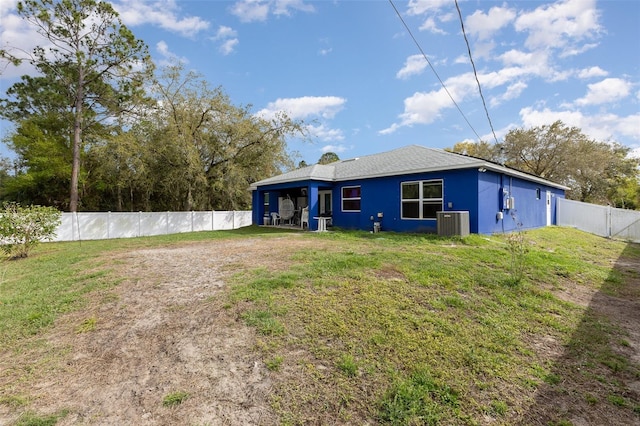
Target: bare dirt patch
{"points": [[164, 329]]}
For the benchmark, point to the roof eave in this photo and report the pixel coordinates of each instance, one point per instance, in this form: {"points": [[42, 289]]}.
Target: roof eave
{"points": [[511, 172], [254, 186]]}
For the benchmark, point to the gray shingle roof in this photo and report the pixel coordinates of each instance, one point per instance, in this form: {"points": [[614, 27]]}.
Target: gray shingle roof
{"points": [[406, 160]]}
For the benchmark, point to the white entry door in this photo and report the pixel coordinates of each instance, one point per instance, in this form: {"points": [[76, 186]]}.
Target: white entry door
{"points": [[324, 198], [548, 208]]}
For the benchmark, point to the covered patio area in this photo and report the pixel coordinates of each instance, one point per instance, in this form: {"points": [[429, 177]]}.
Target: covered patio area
{"points": [[294, 206]]}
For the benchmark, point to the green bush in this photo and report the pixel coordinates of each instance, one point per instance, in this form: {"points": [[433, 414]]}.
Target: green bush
{"points": [[22, 228]]}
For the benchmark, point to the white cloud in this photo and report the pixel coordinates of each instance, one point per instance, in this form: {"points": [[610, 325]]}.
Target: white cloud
{"points": [[592, 72], [414, 65], [483, 49], [390, 129], [225, 32], [324, 133], [250, 10], [606, 91], [513, 91], [430, 8], [168, 57], [534, 64], [228, 46], [430, 25], [315, 107], [421, 108], [259, 10], [629, 126], [601, 127], [533, 118], [307, 106], [16, 36], [227, 37], [462, 59], [419, 7], [575, 51], [164, 13], [561, 25], [163, 48], [484, 25], [7, 6], [427, 107], [334, 148], [284, 7]]}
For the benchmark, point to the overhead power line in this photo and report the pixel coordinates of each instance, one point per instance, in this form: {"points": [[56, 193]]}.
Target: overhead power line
{"points": [[433, 69], [484, 104]]}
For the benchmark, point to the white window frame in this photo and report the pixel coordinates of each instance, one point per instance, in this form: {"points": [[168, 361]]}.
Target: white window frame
{"points": [[343, 199], [421, 199]]}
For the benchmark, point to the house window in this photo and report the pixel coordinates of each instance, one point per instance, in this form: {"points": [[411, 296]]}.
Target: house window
{"points": [[351, 199], [537, 193], [266, 202], [421, 199]]}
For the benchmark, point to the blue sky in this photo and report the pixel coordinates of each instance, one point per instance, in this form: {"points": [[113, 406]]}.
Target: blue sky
{"points": [[353, 72]]}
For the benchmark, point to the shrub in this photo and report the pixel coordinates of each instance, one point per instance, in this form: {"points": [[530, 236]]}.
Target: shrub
{"points": [[518, 248], [22, 228]]}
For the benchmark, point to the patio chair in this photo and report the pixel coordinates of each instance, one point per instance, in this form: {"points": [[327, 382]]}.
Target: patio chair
{"points": [[275, 218], [304, 218]]}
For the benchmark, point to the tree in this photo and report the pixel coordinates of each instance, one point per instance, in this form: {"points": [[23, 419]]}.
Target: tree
{"points": [[22, 228], [594, 171], [193, 151], [626, 195], [545, 151], [211, 150], [93, 69], [482, 149], [565, 155], [42, 166], [120, 178], [328, 158]]}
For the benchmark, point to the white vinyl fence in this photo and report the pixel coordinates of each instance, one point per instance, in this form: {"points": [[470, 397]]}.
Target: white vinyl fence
{"points": [[605, 221], [101, 226]]}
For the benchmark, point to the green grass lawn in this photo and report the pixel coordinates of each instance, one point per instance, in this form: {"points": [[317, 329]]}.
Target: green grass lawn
{"points": [[401, 329], [417, 329]]}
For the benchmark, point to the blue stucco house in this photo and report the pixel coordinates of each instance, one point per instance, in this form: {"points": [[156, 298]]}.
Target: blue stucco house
{"points": [[402, 190]]}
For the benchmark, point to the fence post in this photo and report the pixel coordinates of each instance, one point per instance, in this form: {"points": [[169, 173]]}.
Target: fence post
{"points": [[609, 232]]}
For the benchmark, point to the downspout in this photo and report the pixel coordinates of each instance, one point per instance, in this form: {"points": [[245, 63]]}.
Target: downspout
{"points": [[501, 201]]}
